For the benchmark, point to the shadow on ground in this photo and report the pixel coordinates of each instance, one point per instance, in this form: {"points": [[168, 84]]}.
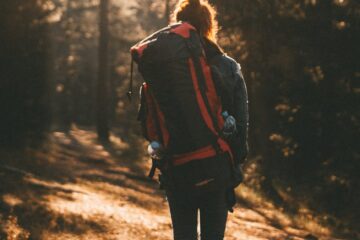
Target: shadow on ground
{"points": [[77, 188]]}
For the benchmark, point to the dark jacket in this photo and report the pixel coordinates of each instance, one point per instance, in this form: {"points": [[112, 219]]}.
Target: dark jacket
{"points": [[233, 91]]}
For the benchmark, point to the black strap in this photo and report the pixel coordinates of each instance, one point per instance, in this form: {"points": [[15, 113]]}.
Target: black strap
{"points": [[154, 166], [130, 92], [160, 164]]}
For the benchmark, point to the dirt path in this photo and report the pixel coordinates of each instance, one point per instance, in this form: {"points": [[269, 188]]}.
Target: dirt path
{"points": [[78, 189]]}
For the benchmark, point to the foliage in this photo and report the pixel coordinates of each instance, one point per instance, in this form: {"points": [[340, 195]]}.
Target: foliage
{"points": [[300, 63], [24, 70]]}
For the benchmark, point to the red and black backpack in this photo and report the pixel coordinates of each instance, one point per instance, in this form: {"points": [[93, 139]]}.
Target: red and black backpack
{"points": [[180, 106]]}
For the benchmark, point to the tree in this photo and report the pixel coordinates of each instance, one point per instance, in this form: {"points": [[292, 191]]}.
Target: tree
{"points": [[103, 74], [24, 68], [299, 60], [167, 12]]}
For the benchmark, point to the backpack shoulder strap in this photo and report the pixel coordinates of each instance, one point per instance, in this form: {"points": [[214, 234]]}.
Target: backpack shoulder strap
{"points": [[183, 29]]}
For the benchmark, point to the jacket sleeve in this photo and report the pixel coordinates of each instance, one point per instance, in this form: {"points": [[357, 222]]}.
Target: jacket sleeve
{"points": [[241, 114]]}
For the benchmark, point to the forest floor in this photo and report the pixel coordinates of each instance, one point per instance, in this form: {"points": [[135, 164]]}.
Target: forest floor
{"points": [[76, 188]]}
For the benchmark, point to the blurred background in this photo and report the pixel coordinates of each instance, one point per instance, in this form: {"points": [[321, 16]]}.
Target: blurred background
{"points": [[66, 123]]}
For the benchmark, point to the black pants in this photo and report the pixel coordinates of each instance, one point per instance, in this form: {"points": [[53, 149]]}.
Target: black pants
{"points": [[184, 210]]}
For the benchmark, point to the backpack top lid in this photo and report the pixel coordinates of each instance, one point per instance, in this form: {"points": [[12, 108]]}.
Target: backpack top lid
{"points": [[182, 29]]}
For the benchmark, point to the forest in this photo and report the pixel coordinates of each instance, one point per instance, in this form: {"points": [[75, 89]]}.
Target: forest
{"points": [[73, 162]]}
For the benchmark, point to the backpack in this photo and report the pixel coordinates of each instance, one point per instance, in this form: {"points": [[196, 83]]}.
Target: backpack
{"points": [[180, 105]]}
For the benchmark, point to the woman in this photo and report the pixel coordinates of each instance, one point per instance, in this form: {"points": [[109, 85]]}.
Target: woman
{"points": [[198, 146], [213, 205]]}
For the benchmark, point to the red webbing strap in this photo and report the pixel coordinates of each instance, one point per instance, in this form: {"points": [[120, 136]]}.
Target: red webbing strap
{"points": [[202, 153], [152, 126], [163, 128], [200, 100], [155, 125], [183, 29], [156, 119], [215, 104], [226, 148], [211, 94], [208, 151]]}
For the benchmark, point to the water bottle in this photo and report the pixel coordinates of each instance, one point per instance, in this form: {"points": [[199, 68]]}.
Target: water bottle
{"points": [[155, 150], [229, 125]]}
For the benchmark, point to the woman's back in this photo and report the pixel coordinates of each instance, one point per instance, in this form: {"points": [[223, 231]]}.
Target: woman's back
{"points": [[189, 83]]}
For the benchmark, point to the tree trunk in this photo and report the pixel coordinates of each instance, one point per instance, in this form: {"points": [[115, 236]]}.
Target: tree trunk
{"points": [[67, 95], [103, 74], [167, 12]]}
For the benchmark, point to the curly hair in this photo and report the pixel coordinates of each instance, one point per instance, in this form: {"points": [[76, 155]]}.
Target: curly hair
{"points": [[199, 13]]}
